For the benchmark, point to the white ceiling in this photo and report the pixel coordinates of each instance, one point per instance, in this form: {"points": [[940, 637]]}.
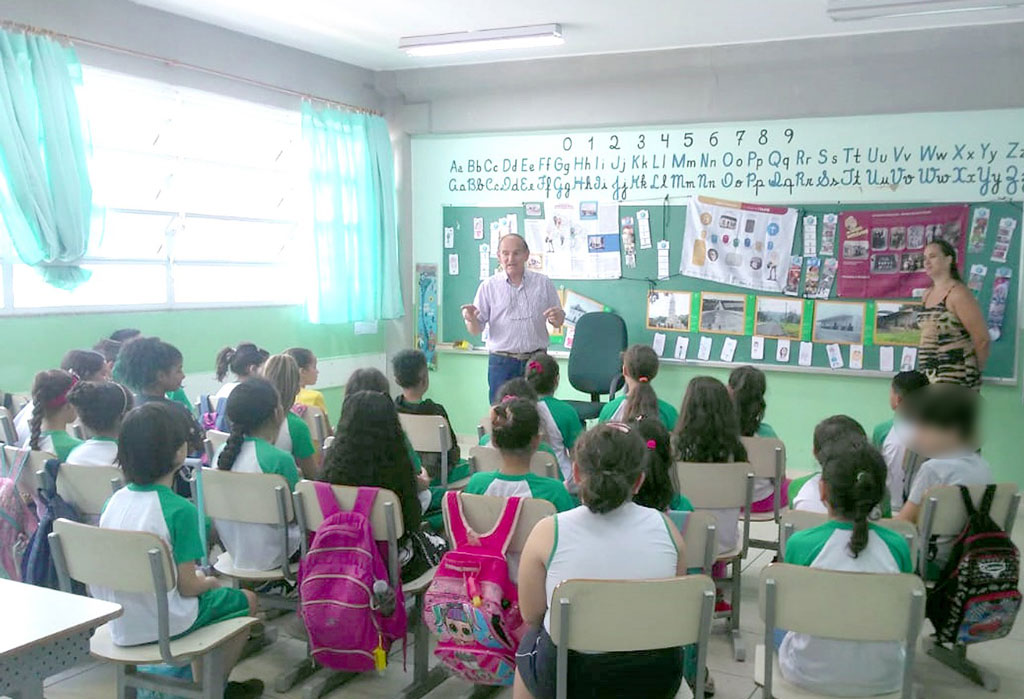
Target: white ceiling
{"points": [[366, 33]]}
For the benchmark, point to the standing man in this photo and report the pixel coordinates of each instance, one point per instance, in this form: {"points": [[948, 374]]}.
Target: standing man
{"points": [[514, 305]]}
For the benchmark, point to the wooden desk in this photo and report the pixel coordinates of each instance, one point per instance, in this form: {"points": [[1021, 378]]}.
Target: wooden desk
{"points": [[44, 632]]}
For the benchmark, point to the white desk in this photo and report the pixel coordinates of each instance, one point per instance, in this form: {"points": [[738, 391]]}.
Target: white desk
{"points": [[44, 632]]}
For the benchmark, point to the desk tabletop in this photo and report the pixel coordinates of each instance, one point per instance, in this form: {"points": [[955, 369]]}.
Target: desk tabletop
{"points": [[35, 615]]}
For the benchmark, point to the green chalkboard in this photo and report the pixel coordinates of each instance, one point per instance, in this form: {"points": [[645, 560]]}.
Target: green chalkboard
{"points": [[628, 296]]}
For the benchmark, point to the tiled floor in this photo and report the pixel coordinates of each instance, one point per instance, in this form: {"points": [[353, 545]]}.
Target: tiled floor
{"points": [[733, 680]]}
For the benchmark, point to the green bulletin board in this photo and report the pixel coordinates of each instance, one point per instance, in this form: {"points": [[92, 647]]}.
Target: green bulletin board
{"points": [[628, 296]]}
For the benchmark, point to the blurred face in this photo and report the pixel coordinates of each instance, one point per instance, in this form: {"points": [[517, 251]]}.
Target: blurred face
{"points": [[180, 455], [170, 379], [512, 254], [931, 442], [935, 262], [309, 375]]}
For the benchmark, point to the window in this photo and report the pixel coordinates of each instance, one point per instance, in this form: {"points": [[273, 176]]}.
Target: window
{"points": [[199, 200]]}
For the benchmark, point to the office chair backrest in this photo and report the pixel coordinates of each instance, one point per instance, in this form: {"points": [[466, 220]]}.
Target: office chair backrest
{"points": [[595, 358]]}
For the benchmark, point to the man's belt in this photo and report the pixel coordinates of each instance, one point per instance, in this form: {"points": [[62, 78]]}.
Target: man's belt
{"points": [[519, 356]]}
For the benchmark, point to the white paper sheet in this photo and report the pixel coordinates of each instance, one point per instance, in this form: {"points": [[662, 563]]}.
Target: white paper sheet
{"points": [[806, 354], [810, 236], [704, 351], [453, 264], [908, 359], [782, 351], [886, 359], [570, 335], [659, 344], [643, 228], [728, 349], [449, 237], [757, 347], [835, 356], [485, 261], [663, 259], [478, 228], [856, 356], [682, 345]]}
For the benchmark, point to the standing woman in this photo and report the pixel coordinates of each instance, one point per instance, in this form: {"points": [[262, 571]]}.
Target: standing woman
{"points": [[954, 339]]}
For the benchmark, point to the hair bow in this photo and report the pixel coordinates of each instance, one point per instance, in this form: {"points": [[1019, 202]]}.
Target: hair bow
{"points": [[536, 366], [63, 397], [644, 379], [506, 399], [651, 444]]}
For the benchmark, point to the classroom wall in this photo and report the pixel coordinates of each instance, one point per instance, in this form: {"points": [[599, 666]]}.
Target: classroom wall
{"points": [[949, 69]]}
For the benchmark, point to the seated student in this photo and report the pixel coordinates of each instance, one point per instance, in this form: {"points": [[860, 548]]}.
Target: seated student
{"points": [[101, 407], [521, 388], [308, 375], [293, 437], [608, 537], [747, 386], [659, 489], [84, 365], [891, 436], [562, 422], [52, 413], [411, 374], [243, 361], [369, 449], [152, 447], [254, 409], [515, 430], [852, 485], [639, 367], [835, 433]]}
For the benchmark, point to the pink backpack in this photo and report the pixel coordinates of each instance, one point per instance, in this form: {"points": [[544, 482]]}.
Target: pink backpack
{"points": [[472, 605], [336, 577], [17, 521]]}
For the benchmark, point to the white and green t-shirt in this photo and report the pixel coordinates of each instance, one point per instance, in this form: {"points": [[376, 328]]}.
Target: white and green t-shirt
{"points": [[614, 410], [562, 427], [156, 509], [294, 437], [258, 546], [835, 667], [96, 451], [528, 485], [57, 442]]}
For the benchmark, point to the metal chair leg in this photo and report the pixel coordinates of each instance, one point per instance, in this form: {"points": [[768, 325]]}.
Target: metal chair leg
{"points": [[955, 658], [425, 678]]}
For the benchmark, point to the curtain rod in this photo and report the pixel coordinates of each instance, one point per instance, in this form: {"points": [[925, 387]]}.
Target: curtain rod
{"points": [[17, 26]]}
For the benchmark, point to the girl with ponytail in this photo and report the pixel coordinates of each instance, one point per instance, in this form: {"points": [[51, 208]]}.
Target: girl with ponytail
{"points": [[852, 485], [639, 367], [747, 386], [243, 361], [561, 423], [51, 413], [84, 365], [293, 436], [254, 409], [101, 407]]}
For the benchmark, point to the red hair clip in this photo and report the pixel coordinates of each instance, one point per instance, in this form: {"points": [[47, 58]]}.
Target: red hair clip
{"points": [[536, 366], [62, 399], [651, 444], [506, 399], [644, 379]]}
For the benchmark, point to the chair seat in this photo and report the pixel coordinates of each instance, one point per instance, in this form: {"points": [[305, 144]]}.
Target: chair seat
{"points": [[762, 516], [225, 566], [417, 585], [587, 410], [199, 642], [781, 689]]}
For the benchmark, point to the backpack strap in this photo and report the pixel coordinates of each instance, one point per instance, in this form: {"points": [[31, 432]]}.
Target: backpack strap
{"points": [[325, 496], [986, 499], [457, 525], [500, 536], [365, 498], [497, 539], [965, 495]]}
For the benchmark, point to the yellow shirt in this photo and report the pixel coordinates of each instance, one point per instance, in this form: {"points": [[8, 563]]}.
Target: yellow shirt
{"points": [[315, 399]]}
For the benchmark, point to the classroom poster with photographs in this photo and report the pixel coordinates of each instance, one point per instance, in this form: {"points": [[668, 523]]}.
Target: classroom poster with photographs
{"points": [[881, 253], [573, 240]]}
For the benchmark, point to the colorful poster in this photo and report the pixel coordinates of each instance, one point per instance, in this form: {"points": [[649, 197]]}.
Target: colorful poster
{"points": [[997, 304], [881, 253], [740, 244], [426, 322], [575, 241]]}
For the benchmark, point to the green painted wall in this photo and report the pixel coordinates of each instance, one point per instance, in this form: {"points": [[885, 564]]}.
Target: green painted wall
{"points": [[796, 402]]}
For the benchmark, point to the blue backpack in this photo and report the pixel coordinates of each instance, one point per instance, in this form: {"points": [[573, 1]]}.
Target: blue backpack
{"points": [[37, 566]]}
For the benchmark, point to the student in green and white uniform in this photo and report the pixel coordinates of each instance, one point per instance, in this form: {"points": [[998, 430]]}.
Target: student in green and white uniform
{"points": [[560, 423], [853, 483], [293, 436], [892, 437], [52, 413], [101, 407], [153, 448], [639, 367], [515, 424], [520, 388], [255, 413], [747, 386]]}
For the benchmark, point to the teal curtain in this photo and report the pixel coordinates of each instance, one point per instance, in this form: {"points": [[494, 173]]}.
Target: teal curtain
{"points": [[355, 233], [45, 195]]}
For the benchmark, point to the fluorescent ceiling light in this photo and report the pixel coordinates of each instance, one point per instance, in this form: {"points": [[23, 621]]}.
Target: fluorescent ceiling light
{"points": [[483, 40], [842, 10]]}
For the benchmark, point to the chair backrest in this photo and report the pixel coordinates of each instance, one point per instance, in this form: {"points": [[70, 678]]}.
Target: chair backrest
{"points": [[762, 456], [86, 553], [797, 520], [488, 458], [329, 442], [7, 432], [699, 530], [716, 486], [427, 433], [252, 498], [28, 483], [595, 359], [944, 513], [317, 423], [305, 497], [217, 439], [88, 487], [482, 512]]}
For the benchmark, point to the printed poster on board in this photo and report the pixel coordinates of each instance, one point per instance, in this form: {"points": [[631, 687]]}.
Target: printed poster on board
{"points": [[574, 240], [740, 244], [881, 253]]}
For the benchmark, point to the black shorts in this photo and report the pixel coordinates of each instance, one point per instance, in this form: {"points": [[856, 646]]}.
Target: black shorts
{"points": [[649, 674]]}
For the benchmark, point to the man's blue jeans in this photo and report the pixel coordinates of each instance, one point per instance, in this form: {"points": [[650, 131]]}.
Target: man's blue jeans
{"points": [[500, 369]]}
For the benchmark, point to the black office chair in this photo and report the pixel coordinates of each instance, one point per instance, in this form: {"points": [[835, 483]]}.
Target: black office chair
{"points": [[595, 360]]}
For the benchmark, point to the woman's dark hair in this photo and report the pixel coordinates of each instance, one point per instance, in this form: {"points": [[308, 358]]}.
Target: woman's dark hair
{"points": [[748, 386], [241, 360], [660, 485], [84, 364], [542, 373], [101, 404], [302, 356], [125, 334], [517, 388], [142, 358], [108, 348], [708, 430], [514, 424], [855, 478], [641, 364], [149, 441], [251, 404], [611, 458], [282, 371], [367, 379], [906, 382], [837, 432], [946, 406], [409, 367], [369, 449], [948, 251], [49, 394]]}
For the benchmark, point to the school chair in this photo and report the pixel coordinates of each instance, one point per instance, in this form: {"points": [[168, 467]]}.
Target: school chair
{"points": [[944, 515], [329, 442], [142, 566], [767, 457], [699, 530], [88, 487], [431, 433], [317, 423], [33, 461], [724, 487], [386, 522], [7, 431], [605, 616], [797, 520], [836, 605], [595, 360], [489, 459]]}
